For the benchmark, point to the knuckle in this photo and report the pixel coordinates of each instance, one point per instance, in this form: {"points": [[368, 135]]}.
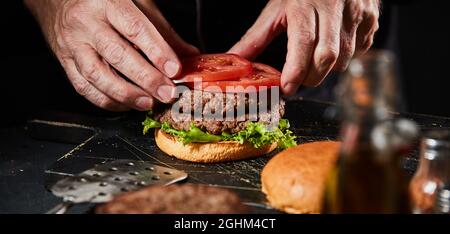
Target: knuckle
{"points": [[367, 43], [353, 15], [356, 8], [376, 26], [92, 72], [74, 14], [113, 2], [113, 52], [328, 57], [150, 81], [81, 88], [71, 16], [155, 53], [60, 41], [371, 16], [353, 25], [121, 93], [65, 60], [347, 46], [142, 77], [307, 38], [134, 27], [158, 59], [341, 66], [356, 16], [345, 54]]}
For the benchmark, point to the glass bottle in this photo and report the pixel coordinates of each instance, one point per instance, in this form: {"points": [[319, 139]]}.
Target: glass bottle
{"points": [[433, 171], [369, 177]]}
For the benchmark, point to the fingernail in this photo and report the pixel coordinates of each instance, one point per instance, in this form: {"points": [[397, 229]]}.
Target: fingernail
{"points": [[144, 103], [165, 93], [194, 50], [171, 68]]}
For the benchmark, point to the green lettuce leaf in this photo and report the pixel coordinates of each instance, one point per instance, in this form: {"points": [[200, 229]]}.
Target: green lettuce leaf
{"points": [[258, 134], [284, 124], [150, 123], [193, 135]]}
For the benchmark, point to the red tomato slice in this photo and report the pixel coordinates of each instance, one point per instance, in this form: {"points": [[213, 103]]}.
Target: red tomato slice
{"points": [[261, 78], [213, 67]]}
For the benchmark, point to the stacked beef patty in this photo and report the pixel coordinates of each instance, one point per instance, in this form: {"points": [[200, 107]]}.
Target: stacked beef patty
{"points": [[220, 112]]}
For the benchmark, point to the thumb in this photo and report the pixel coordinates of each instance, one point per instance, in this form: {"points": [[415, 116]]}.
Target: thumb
{"points": [[155, 16], [256, 39]]}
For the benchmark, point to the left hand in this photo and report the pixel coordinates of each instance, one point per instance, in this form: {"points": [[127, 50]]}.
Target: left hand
{"points": [[322, 35]]}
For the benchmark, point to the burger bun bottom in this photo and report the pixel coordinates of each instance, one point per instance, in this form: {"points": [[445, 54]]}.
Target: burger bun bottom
{"points": [[209, 152]]}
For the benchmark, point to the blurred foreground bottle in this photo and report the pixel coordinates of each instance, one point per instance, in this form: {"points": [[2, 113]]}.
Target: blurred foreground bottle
{"points": [[432, 174], [369, 177]]}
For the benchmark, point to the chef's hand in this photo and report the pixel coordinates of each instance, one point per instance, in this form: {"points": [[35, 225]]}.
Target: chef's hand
{"points": [[94, 39], [322, 35]]}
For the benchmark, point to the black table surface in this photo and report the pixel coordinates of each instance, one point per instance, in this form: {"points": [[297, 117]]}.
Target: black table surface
{"points": [[52, 145]]}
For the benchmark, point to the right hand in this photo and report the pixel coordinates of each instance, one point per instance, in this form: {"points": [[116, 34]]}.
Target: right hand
{"points": [[90, 38]]}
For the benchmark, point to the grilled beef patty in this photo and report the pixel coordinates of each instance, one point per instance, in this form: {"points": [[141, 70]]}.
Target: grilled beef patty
{"points": [[175, 199], [212, 106]]}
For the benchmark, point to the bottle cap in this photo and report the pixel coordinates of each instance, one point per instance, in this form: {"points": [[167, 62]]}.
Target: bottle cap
{"points": [[436, 141], [442, 203]]}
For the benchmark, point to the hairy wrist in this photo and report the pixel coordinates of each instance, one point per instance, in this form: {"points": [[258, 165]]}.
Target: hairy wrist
{"points": [[44, 12]]}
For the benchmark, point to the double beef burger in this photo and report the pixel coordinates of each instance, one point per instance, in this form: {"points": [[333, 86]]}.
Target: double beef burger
{"points": [[228, 109]]}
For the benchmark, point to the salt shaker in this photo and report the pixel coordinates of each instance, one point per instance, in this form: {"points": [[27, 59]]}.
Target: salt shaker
{"points": [[433, 171]]}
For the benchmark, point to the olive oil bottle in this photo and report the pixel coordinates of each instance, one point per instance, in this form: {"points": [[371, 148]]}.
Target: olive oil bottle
{"points": [[369, 177]]}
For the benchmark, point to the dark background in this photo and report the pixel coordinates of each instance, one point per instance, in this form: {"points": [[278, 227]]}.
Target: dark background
{"points": [[418, 31]]}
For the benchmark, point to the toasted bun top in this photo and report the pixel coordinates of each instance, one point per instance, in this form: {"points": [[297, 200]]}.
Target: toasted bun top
{"points": [[294, 179], [209, 152]]}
